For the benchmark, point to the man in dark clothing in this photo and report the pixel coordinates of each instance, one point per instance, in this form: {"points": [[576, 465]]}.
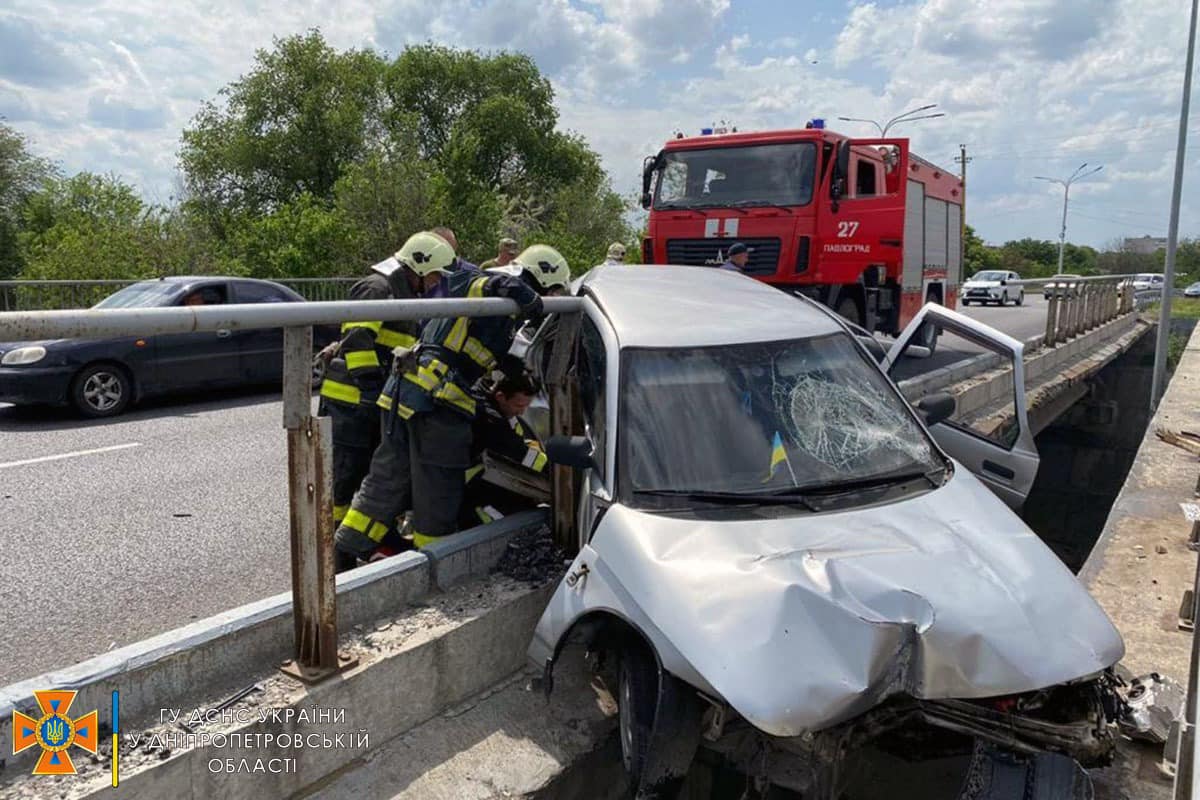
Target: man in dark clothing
{"points": [[429, 410], [500, 430], [737, 257]]}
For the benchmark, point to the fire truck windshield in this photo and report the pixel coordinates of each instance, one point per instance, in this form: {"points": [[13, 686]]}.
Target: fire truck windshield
{"points": [[765, 174]]}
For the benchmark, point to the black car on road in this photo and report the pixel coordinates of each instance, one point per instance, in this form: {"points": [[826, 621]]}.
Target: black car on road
{"points": [[101, 377]]}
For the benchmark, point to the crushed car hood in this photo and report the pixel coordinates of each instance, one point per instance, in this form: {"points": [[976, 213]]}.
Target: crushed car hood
{"points": [[803, 621]]}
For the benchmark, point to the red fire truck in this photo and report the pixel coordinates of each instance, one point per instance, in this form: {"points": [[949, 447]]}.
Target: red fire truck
{"points": [[862, 225]]}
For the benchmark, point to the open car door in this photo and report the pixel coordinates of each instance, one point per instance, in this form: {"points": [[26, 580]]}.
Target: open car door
{"points": [[991, 437]]}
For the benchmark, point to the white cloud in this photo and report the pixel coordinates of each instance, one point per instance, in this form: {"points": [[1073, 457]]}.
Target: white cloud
{"points": [[1031, 86]]}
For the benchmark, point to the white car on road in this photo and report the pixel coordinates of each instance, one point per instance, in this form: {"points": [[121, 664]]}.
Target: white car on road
{"points": [[992, 286]]}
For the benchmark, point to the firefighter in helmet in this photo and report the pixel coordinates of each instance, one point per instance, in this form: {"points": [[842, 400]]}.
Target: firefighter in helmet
{"points": [[427, 403]]}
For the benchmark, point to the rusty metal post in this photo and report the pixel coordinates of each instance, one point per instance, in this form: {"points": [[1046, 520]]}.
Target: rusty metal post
{"points": [[310, 492], [562, 411]]}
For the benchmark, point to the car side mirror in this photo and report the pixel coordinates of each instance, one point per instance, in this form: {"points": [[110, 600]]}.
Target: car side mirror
{"points": [[936, 408], [576, 452], [1004, 281]]}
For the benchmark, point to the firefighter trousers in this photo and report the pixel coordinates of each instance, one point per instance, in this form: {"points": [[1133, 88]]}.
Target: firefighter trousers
{"points": [[418, 465], [355, 437]]}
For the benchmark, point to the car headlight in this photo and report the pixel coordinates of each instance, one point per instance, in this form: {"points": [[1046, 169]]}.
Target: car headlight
{"points": [[23, 355]]}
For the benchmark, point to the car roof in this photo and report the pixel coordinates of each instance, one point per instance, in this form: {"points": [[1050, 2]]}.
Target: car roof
{"points": [[189, 279], [672, 306]]}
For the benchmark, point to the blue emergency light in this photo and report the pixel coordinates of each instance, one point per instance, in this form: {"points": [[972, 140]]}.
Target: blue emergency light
{"points": [[818, 124], [706, 131]]}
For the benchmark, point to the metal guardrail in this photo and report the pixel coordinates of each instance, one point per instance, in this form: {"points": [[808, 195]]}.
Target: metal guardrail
{"points": [[1077, 307], [45, 295], [310, 467]]}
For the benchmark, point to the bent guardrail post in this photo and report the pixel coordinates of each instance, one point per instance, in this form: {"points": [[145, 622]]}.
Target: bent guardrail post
{"points": [[560, 386], [310, 493]]}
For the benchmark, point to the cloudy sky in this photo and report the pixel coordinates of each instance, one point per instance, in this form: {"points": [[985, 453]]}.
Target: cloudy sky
{"points": [[1033, 87]]}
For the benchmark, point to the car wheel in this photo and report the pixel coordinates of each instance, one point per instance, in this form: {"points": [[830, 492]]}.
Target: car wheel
{"points": [[1021, 299], [966, 303], [101, 390], [637, 688], [847, 308]]}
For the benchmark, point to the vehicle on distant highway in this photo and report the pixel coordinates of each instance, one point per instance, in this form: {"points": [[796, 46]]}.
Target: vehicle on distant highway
{"points": [[1193, 290], [1062, 286], [992, 286], [1145, 281], [102, 377], [782, 560]]}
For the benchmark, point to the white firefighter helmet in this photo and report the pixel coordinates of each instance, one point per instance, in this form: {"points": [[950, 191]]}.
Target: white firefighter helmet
{"points": [[425, 253], [545, 264]]}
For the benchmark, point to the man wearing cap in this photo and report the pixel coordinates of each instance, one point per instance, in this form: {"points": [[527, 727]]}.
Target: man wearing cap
{"points": [[616, 254], [737, 256], [508, 251]]}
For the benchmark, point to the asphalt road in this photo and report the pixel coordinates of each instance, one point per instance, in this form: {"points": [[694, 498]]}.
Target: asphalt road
{"points": [[116, 531], [1019, 322]]}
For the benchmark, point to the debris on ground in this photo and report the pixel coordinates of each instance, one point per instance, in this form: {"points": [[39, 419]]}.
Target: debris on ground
{"points": [[532, 557], [1153, 704]]}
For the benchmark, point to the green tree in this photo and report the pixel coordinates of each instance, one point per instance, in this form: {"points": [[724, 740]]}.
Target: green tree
{"points": [[21, 176], [91, 226], [352, 153], [289, 127], [302, 238], [978, 256]]}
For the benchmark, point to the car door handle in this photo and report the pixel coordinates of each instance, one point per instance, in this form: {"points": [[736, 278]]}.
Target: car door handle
{"points": [[998, 470], [224, 334]]}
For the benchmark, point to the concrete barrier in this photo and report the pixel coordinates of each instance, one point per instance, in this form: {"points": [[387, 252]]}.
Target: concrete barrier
{"points": [[1142, 564], [212, 657]]}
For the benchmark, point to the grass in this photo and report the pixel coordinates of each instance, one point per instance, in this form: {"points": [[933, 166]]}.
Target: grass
{"points": [[1181, 308]]}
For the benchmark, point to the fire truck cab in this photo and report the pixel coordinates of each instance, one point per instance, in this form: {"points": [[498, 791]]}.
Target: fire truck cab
{"points": [[862, 225]]}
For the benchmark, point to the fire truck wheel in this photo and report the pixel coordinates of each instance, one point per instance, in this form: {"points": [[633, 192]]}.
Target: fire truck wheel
{"points": [[847, 308]]}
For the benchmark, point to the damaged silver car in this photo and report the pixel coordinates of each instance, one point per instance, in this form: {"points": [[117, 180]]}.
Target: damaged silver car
{"points": [[783, 561]]}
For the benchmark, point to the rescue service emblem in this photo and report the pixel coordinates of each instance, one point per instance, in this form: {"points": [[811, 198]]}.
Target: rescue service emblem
{"points": [[54, 731]]}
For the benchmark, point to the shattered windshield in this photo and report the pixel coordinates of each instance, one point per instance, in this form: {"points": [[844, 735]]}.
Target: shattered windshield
{"points": [[757, 418]]}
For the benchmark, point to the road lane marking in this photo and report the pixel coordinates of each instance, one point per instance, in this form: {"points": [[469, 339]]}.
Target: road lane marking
{"points": [[75, 454]]}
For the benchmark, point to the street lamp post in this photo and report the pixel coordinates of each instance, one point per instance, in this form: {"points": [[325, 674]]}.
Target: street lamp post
{"points": [[907, 116], [1066, 184]]}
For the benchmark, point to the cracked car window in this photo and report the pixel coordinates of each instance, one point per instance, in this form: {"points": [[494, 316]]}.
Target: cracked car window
{"points": [[756, 417]]}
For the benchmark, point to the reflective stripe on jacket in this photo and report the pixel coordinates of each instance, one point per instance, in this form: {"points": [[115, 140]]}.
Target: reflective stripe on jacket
{"points": [[357, 374], [454, 352]]}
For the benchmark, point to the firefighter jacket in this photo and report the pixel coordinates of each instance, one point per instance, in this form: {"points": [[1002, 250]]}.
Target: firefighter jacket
{"points": [[509, 437], [453, 353], [356, 375]]}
